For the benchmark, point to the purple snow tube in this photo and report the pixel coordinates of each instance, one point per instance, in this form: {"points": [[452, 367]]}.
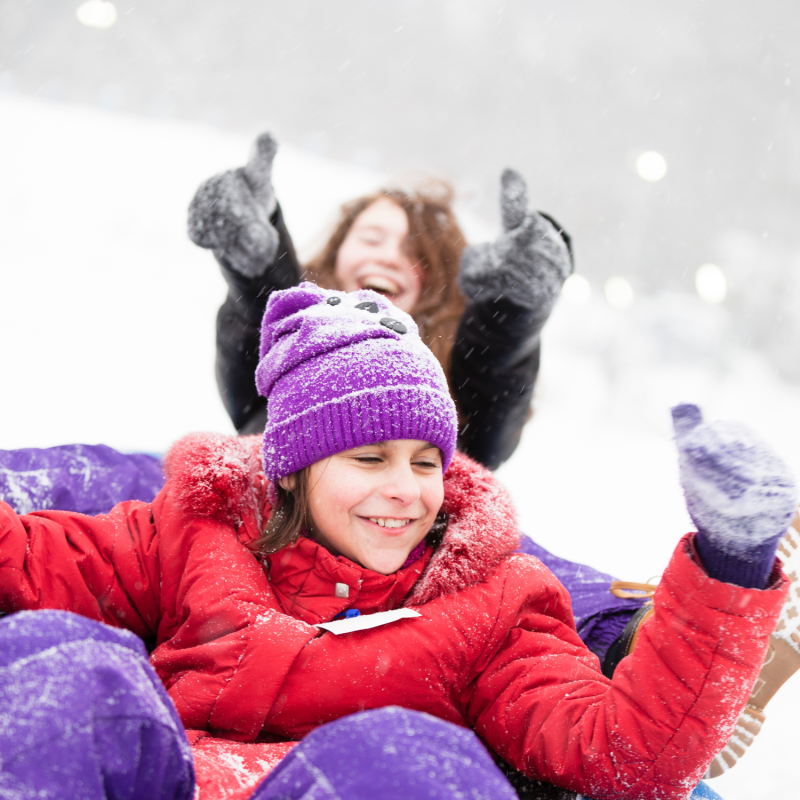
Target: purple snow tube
{"points": [[89, 479], [85, 715], [391, 753], [600, 617]]}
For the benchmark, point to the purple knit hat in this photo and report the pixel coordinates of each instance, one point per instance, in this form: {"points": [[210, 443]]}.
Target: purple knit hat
{"points": [[343, 370]]}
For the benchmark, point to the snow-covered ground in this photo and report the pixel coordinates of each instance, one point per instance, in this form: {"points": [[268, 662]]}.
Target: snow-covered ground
{"points": [[107, 324]]}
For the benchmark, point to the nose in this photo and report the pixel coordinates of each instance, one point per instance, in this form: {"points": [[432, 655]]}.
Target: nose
{"points": [[390, 253], [401, 485]]}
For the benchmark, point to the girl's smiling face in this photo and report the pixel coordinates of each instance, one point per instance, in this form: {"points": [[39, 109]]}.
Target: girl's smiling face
{"points": [[376, 254], [374, 504]]}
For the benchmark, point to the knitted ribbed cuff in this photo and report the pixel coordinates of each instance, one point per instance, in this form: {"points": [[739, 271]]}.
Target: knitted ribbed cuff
{"points": [[750, 570], [360, 418]]}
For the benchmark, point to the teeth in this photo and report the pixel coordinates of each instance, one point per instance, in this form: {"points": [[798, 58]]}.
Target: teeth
{"points": [[385, 522], [380, 284]]}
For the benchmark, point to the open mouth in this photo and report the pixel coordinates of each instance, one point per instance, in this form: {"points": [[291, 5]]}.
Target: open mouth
{"points": [[380, 284]]}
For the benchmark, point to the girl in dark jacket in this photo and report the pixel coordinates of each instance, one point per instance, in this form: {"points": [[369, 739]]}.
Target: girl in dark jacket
{"points": [[348, 580], [407, 245]]}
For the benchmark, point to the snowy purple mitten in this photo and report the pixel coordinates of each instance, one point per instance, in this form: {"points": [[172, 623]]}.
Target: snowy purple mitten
{"points": [[528, 263], [230, 213], [739, 494]]}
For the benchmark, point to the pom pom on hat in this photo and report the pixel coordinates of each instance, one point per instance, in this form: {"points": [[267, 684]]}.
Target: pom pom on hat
{"points": [[341, 370]]}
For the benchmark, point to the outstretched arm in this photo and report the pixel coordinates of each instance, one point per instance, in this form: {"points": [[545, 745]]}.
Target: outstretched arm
{"points": [[543, 705], [511, 285], [104, 567], [672, 704], [236, 215]]}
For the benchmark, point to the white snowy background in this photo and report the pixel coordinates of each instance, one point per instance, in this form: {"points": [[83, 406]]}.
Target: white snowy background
{"points": [[107, 324]]}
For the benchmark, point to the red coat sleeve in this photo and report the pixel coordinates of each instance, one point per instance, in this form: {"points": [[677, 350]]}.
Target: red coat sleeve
{"points": [[540, 701], [105, 567], [224, 647]]}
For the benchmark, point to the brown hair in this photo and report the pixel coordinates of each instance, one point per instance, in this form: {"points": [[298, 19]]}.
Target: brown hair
{"points": [[289, 515], [438, 242]]}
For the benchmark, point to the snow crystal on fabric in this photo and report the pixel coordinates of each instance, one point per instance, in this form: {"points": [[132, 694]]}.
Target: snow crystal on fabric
{"points": [[89, 479], [738, 492], [481, 531], [528, 263], [335, 378]]}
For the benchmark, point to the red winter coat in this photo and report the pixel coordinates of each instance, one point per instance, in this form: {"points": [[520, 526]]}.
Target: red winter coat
{"points": [[495, 648]]}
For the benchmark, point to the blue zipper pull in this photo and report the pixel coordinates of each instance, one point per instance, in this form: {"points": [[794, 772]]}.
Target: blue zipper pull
{"points": [[351, 613]]}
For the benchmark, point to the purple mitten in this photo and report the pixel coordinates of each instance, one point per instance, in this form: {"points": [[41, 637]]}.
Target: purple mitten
{"points": [[739, 494]]}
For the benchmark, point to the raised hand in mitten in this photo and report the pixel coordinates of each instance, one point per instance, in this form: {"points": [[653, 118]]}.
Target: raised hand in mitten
{"points": [[230, 213], [739, 494], [528, 263]]}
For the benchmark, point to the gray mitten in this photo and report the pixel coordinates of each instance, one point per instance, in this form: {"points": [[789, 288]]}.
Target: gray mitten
{"points": [[739, 494], [528, 263], [230, 213]]}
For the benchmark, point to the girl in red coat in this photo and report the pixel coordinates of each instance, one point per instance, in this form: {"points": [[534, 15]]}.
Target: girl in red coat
{"points": [[349, 581]]}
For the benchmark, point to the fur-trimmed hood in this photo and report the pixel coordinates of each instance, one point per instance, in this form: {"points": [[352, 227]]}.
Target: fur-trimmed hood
{"points": [[221, 477]]}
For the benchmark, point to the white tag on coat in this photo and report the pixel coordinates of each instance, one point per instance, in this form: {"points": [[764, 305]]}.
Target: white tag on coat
{"points": [[367, 621]]}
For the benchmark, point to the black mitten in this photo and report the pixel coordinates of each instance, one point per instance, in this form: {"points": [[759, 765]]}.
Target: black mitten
{"points": [[230, 213], [527, 264]]}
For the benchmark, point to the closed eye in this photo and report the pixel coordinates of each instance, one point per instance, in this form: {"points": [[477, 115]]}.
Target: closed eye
{"points": [[371, 236]]}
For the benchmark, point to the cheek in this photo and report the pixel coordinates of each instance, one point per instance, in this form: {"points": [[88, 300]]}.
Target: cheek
{"points": [[433, 496], [332, 499], [348, 258], [414, 278]]}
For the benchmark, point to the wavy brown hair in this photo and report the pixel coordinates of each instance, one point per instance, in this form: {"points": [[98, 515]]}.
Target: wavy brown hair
{"points": [[437, 241]]}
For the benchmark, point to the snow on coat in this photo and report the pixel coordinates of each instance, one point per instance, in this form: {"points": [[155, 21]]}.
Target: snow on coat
{"points": [[495, 647]]}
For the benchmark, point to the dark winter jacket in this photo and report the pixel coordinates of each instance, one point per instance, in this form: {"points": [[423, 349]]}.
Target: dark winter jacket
{"points": [[493, 369], [495, 648], [494, 361], [239, 330]]}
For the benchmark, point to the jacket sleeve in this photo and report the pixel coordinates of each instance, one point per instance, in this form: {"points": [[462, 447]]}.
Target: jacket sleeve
{"points": [[493, 369], [239, 328], [541, 702], [105, 568]]}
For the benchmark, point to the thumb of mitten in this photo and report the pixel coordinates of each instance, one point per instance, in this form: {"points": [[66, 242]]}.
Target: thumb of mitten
{"points": [[258, 171], [738, 492], [230, 213], [513, 199]]}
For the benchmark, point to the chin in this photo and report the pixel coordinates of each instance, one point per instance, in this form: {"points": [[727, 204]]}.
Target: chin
{"points": [[387, 564]]}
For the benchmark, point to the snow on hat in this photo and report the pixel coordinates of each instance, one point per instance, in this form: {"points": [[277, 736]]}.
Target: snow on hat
{"points": [[340, 370]]}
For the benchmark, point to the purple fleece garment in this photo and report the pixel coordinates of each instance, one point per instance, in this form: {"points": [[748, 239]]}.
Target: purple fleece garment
{"points": [[89, 479], [739, 494], [340, 370], [83, 714]]}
